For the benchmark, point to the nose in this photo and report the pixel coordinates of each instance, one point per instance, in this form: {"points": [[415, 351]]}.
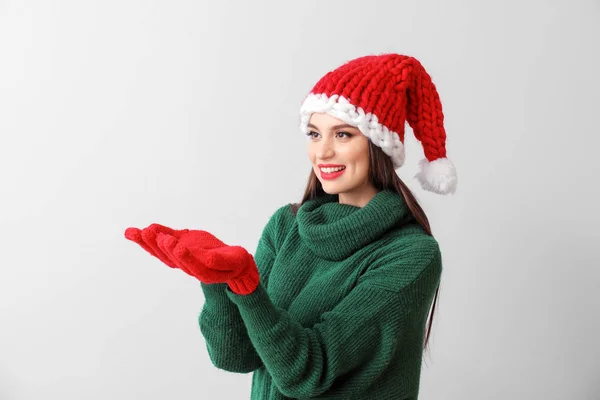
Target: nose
{"points": [[325, 149]]}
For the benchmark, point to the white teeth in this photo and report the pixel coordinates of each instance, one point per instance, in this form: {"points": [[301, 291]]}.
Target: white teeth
{"points": [[330, 170]]}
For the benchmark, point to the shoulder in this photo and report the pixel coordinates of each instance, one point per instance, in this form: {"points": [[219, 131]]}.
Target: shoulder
{"points": [[412, 244], [283, 216], [407, 255], [279, 224]]}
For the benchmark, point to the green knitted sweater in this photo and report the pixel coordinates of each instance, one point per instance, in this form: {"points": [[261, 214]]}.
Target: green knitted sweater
{"points": [[340, 311]]}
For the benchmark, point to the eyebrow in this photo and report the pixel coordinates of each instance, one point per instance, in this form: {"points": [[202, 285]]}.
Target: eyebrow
{"points": [[334, 126]]}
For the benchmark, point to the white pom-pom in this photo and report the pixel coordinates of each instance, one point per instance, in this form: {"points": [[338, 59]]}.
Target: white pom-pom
{"points": [[437, 176]]}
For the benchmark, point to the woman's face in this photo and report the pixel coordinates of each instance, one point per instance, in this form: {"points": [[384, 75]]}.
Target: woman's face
{"points": [[339, 154]]}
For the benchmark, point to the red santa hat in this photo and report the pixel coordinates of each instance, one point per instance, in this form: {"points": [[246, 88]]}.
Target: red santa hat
{"points": [[380, 93]]}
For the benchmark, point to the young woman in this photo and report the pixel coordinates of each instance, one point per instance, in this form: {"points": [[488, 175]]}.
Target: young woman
{"points": [[334, 302]]}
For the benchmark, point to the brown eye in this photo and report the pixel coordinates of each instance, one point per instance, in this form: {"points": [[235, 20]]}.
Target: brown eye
{"points": [[345, 133]]}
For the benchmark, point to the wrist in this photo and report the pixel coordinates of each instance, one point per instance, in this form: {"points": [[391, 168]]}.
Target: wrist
{"points": [[214, 291], [246, 283]]}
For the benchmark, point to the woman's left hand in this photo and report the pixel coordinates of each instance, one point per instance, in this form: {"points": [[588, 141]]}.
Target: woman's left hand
{"points": [[224, 264]]}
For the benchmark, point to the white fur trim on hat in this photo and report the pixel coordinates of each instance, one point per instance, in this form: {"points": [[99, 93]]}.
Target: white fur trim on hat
{"points": [[339, 107], [438, 176]]}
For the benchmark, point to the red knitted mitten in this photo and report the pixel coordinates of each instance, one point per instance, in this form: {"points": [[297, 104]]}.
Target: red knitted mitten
{"points": [[226, 264], [146, 238]]}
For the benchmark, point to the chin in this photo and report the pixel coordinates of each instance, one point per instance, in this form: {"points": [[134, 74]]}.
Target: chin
{"points": [[331, 190], [335, 188]]}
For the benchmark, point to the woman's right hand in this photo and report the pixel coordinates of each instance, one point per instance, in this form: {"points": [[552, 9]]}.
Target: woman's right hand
{"points": [[147, 239]]}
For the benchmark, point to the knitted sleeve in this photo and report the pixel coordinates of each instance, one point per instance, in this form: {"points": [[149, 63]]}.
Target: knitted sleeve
{"points": [[363, 331], [227, 342], [221, 324]]}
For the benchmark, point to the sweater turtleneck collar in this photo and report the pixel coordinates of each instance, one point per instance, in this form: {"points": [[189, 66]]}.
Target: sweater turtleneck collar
{"points": [[335, 231]]}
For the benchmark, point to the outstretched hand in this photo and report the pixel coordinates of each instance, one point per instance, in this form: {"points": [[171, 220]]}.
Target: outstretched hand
{"points": [[199, 254], [146, 238]]}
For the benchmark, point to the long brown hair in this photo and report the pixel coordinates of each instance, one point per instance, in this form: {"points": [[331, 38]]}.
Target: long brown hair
{"points": [[383, 176]]}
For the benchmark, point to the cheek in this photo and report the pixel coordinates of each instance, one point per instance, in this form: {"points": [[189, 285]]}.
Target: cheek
{"points": [[363, 167], [360, 158]]}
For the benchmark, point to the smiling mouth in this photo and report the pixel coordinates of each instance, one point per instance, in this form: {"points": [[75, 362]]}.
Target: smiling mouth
{"points": [[331, 173], [330, 170]]}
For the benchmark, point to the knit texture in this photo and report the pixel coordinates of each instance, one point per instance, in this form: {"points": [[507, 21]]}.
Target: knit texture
{"points": [[379, 94], [341, 306], [203, 256]]}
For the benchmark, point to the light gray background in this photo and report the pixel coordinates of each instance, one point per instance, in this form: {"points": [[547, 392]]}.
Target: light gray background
{"points": [[124, 113]]}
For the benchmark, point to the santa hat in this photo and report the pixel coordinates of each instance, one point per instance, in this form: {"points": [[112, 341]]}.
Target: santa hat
{"points": [[378, 94]]}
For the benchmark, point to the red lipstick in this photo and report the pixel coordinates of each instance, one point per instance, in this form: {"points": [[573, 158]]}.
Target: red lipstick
{"points": [[332, 175]]}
